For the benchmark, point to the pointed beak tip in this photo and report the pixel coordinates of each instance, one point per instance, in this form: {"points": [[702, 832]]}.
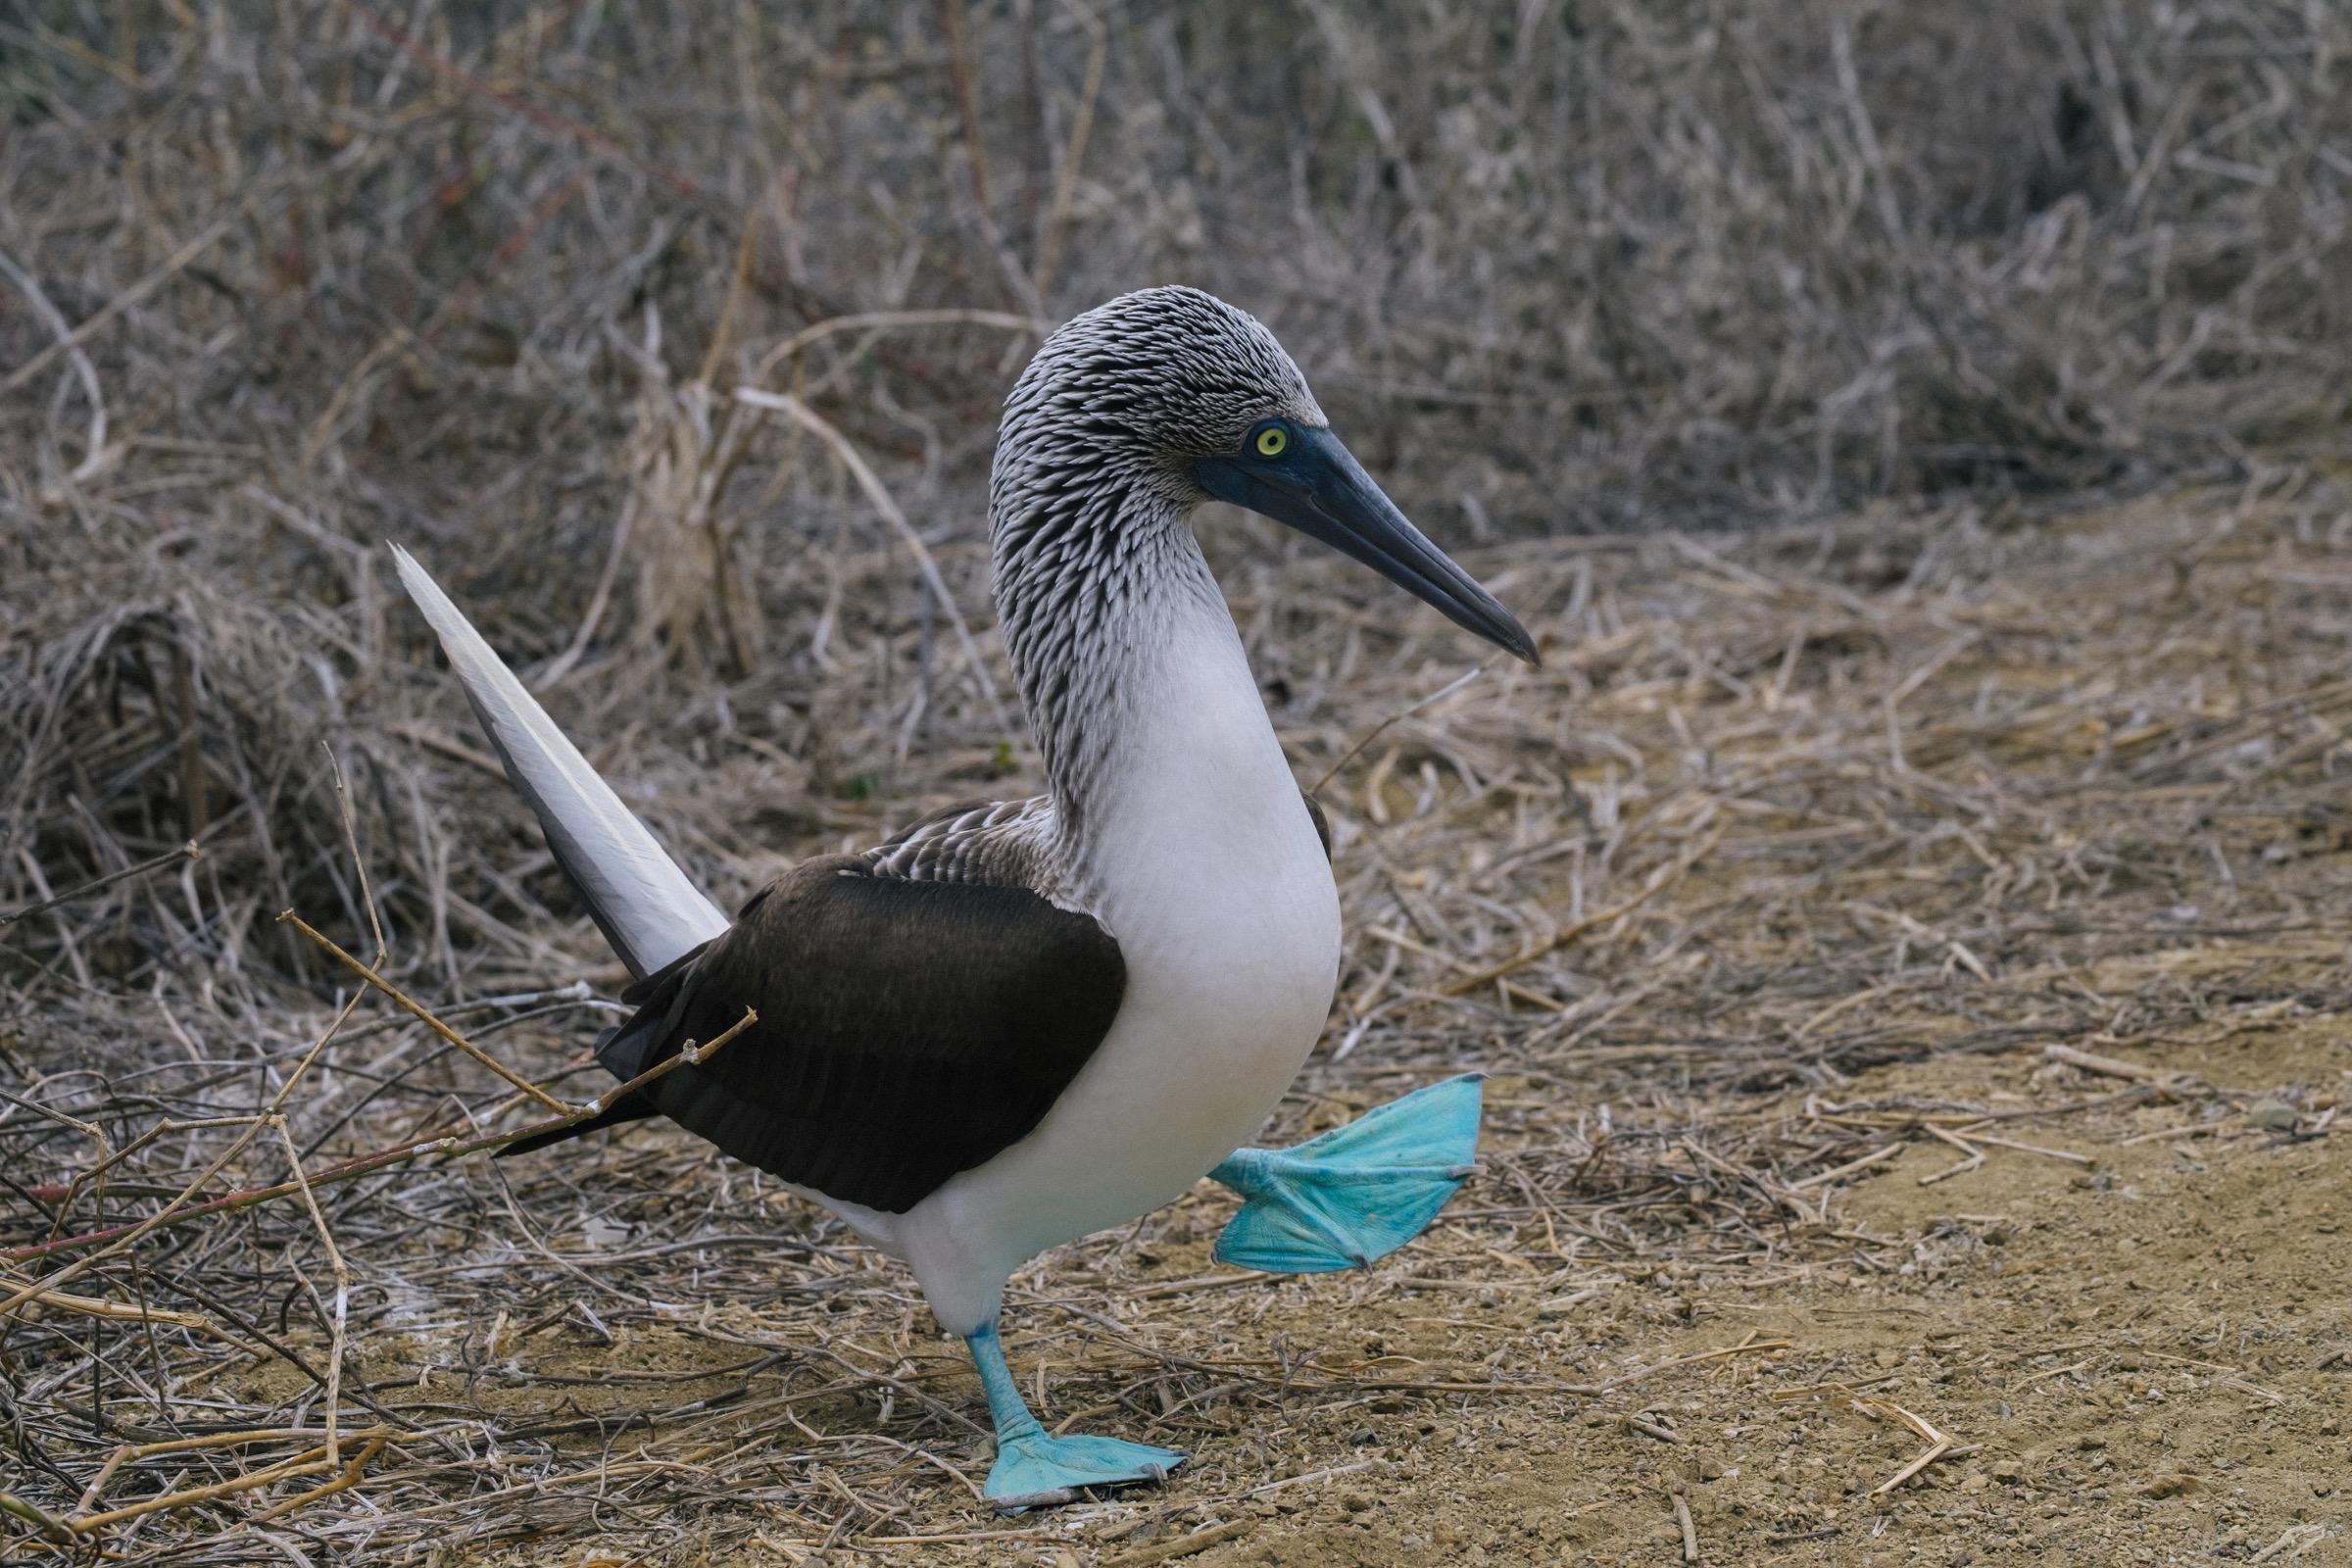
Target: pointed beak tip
{"points": [[1515, 640]]}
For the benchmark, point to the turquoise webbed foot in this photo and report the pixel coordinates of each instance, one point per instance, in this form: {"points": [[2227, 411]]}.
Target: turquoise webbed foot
{"points": [[1033, 1466], [1356, 1193]]}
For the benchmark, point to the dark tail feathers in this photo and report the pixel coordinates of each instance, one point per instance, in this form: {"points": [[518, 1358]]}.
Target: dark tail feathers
{"points": [[635, 1108], [650, 1033]]}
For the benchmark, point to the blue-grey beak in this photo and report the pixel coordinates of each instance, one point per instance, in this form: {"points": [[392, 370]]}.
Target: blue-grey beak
{"points": [[1316, 485]]}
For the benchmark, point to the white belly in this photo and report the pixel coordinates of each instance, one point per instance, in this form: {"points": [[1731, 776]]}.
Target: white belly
{"points": [[1207, 870]]}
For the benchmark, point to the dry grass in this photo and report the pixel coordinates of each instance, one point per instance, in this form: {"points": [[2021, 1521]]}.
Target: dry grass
{"points": [[1779, 809], [673, 337]]}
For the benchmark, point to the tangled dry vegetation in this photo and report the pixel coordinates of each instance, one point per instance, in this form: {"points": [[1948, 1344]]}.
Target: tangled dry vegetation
{"points": [[1781, 811], [672, 338]]}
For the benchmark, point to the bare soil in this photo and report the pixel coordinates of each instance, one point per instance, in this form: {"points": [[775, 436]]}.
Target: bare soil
{"points": [[2133, 1359]]}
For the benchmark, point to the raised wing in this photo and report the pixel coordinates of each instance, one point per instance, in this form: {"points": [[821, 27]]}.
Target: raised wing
{"points": [[907, 1029]]}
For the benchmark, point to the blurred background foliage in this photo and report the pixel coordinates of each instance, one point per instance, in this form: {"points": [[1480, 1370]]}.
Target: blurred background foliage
{"points": [[1552, 266]]}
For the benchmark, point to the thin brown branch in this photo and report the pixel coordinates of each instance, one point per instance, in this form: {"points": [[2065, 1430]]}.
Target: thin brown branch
{"points": [[421, 1014]]}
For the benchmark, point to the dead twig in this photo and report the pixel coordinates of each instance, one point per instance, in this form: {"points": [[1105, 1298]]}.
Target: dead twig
{"points": [[309, 1464], [186, 852], [421, 1014], [1938, 1444]]}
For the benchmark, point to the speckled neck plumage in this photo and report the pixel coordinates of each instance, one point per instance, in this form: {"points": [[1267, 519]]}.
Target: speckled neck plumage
{"points": [[1084, 612]]}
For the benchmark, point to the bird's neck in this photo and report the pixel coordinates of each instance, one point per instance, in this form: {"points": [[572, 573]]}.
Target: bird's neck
{"points": [[1131, 668]]}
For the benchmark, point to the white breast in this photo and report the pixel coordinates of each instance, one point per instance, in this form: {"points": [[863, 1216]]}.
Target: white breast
{"points": [[1205, 864]]}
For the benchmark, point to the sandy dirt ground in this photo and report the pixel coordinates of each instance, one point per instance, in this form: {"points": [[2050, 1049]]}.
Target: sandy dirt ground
{"points": [[2137, 1361], [2128, 1321]]}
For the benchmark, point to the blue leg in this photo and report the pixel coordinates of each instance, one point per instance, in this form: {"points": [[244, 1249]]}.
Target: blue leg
{"points": [[1035, 1467], [1356, 1193]]}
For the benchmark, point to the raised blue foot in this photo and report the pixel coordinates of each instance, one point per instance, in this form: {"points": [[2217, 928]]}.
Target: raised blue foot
{"points": [[1034, 1468], [1356, 1193]]}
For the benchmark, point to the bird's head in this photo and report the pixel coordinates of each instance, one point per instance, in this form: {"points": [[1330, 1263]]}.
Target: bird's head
{"points": [[1175, 393]]}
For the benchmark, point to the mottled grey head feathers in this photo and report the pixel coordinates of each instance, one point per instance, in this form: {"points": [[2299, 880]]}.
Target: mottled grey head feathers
{"points": [[1139, 385]]}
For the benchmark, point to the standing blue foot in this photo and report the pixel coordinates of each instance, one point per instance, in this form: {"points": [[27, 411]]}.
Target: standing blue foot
{"points": [[1357, 1192], [1033, 1466]]}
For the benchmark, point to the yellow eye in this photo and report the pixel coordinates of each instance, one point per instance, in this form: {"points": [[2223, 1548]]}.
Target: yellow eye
{"points": [[1272, 440]]}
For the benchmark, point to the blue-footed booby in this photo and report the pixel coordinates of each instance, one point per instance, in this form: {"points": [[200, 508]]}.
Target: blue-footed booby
{"points": [[1019, 1022]]}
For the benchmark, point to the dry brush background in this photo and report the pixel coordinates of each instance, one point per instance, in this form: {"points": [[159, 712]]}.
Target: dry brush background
{"points": [[1913, 430]]}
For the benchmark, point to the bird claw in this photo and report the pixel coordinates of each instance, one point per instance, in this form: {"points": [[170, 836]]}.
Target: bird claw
{"points": [[1356, 1193]]}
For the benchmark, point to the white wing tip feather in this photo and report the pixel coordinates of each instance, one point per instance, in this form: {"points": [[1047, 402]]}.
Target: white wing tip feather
{"points": [[642, 898]]}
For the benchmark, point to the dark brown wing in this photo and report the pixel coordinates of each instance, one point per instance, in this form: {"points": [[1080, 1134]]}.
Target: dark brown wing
{"points": [[907, 1029]]}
